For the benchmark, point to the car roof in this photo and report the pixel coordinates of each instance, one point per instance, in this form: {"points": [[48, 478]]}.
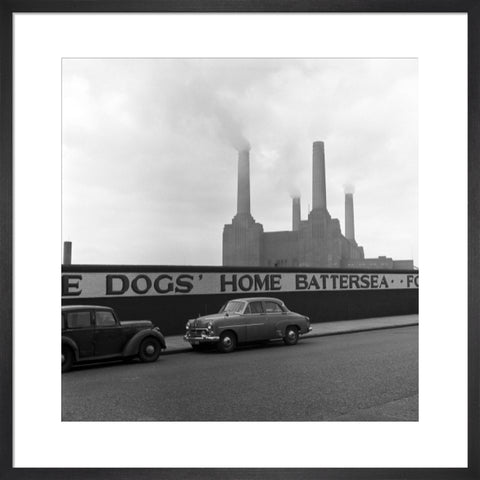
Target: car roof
{"points": [[66, 308], [258, 299]]}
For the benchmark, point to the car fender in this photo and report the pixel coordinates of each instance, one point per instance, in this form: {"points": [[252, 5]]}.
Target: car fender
{"points": [[236, 324], [68, 341], [281, 325], [131, 348], [285, 322]]}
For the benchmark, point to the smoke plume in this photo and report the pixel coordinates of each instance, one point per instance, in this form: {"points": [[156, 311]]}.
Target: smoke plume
{"points": [[204, 103]]}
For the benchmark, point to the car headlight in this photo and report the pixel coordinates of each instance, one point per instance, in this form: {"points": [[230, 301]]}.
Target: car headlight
{"points": [[210, 327], [187, 326]]}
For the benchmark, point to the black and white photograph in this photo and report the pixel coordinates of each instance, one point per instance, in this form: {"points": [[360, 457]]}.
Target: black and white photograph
{"points": [[240, 239], [230, 206]]}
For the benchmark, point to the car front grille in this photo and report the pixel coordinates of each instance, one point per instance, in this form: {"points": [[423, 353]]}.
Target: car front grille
{"points": [[197, 332]]}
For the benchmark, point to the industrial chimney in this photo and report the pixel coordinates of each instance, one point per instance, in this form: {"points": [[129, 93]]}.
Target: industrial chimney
{"points": [[349, 220], [243, 193], [319, 193], [296, 215], [67, 253]]}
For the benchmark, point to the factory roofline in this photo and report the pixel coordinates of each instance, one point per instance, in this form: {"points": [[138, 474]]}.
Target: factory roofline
{"points": [[118, 268]]}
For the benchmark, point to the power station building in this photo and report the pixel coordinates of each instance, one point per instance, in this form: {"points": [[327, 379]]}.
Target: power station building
{"points": [[315, 242]]}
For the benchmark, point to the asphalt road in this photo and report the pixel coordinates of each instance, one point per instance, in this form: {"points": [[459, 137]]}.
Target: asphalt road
{"points": [[369, 376]]}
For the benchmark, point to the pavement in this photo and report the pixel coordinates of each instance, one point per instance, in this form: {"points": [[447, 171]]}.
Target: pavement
{"points": [[176, 343]]}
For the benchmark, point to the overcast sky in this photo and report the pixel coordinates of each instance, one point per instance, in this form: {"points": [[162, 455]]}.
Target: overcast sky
{"points": [[149, 161]]}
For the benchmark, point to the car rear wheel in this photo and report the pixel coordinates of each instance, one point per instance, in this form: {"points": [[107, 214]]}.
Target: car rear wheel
{"points": [[291, 335], [227, 343], [149, 350], [67, 358]]}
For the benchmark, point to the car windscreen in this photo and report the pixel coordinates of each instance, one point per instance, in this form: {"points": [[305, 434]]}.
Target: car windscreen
{"points": [[233, 307]]}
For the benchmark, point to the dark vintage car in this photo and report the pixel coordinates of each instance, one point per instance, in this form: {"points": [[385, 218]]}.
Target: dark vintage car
{"points": [[93, 333], [246, 320]]}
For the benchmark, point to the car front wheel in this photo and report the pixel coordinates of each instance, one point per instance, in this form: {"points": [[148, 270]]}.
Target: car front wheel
{"points": [[67, 359], [291, 335], [149, 350], [227, 343]]}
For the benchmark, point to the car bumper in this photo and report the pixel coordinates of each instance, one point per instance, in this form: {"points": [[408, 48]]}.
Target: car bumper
{"points": [[203, 338], [307, 330]]}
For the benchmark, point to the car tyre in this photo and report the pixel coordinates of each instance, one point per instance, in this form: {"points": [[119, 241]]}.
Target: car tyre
{"points": [[67, 358], [149, 350], [227, 342], [291, 335]]}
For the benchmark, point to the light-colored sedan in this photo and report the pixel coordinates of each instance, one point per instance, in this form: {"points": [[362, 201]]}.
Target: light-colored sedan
{"points": [[245, 320]]}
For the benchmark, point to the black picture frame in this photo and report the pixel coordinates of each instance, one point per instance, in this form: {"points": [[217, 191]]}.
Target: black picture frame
{"points": [[472, 7]]}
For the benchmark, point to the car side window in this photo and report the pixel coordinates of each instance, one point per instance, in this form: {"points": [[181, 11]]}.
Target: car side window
{"points": [[78, 319], [256, 307], [272, 307], [104, 319]]}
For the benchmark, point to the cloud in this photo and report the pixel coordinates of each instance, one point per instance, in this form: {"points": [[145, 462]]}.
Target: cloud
{"points": [[149, 160]]}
